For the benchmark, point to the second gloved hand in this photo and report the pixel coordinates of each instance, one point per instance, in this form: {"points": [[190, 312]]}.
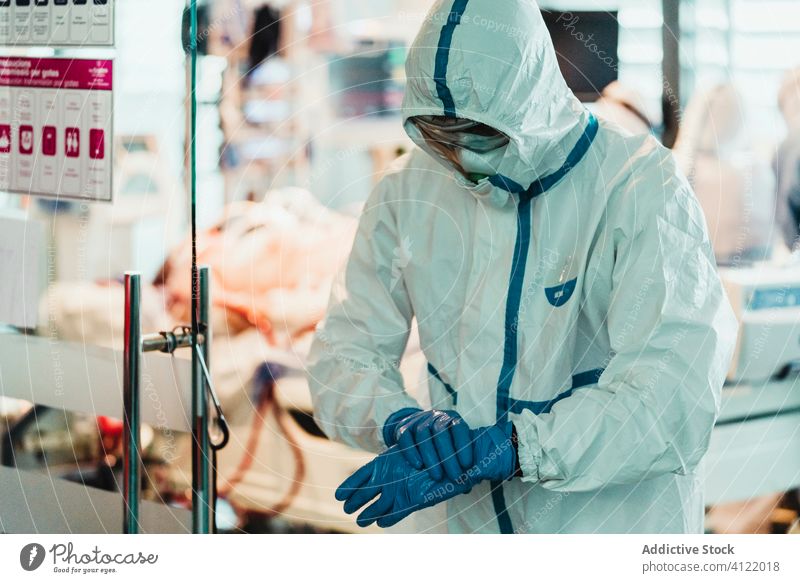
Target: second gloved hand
{"points": [[431, 440], [402, 489]]}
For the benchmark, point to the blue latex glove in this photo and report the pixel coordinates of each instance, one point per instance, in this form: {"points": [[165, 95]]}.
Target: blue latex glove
{"points": [[402, 489], [431, 440]]}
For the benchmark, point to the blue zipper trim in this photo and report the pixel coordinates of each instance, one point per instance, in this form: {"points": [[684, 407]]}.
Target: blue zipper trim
{"points": [[443, 57], [582, 379], [516, 280], [451, 391], [522, 244], [544, 184], [500, 508], [509, 367], [521, 247]]}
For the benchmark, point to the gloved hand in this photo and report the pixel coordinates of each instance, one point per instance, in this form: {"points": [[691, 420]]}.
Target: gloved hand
{"points": [[403, 489], [431, 440]]}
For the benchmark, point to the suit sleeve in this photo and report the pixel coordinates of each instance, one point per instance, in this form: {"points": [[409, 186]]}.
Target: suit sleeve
{"points": [[354, 361], [672, 333]]}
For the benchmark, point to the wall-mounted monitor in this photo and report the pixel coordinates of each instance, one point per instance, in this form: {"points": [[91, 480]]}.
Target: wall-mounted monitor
{"points": [[586, 45]]}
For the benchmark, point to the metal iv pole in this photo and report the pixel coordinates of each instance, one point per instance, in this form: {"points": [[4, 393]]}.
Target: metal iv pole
{"points": [[197, 336], [203, 447]]}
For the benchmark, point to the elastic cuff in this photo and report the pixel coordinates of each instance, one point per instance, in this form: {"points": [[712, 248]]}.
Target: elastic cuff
{"points": [[515, 444], [529, 450], [393, 421]]}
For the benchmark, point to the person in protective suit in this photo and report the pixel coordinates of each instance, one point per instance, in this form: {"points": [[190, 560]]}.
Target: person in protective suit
{"points": [[565, 291]]}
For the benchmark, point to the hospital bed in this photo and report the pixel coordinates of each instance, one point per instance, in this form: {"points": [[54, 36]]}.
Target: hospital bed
{"points": [[278, 464]]}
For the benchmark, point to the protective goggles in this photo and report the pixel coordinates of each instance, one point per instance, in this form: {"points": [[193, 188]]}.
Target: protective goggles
{"points": [[453, 133]]}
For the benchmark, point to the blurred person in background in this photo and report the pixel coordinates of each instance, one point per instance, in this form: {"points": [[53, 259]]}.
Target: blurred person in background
{"points": [[625, 107], [787, 161], [733, 186]]}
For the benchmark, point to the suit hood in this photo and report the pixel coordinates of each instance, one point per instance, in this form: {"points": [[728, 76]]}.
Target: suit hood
{"points": [[492, 61]]}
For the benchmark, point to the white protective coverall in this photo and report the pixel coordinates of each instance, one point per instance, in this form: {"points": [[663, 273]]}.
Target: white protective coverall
{"points": [[574, 293]]}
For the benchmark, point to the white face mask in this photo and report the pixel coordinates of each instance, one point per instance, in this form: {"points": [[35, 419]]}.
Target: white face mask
{"points": [[481, 164], [470, 148]]}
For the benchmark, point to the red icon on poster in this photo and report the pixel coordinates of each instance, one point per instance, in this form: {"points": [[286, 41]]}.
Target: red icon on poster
{"points": [[26, 139], [49, 141], [97, 144], [72, 142], [5, 139]]}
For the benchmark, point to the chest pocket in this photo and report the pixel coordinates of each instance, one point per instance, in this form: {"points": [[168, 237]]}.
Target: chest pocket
{"points": [[560, 294], [548, 335]]}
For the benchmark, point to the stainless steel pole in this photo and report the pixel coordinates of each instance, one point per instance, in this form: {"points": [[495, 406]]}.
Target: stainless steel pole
{"points": [[202, 502], [131, 453], [205, 332]]}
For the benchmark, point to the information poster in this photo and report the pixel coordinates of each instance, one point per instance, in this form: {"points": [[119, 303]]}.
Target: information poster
{"points": [[57, 22], [56, 127]]}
